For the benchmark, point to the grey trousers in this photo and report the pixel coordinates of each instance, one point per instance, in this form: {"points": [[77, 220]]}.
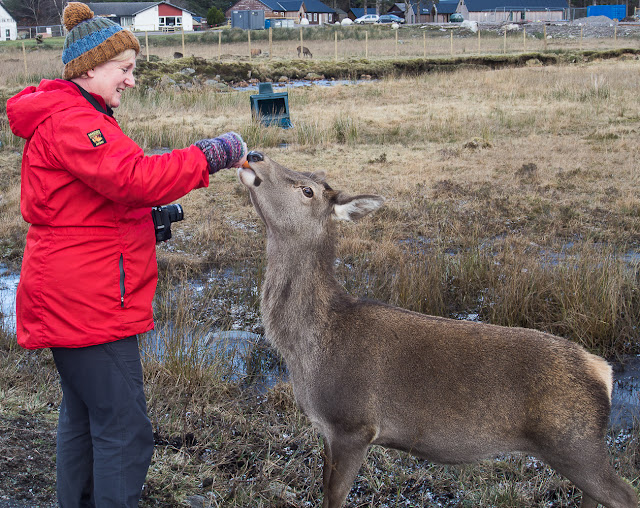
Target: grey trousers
{"points": [[105, 439]]}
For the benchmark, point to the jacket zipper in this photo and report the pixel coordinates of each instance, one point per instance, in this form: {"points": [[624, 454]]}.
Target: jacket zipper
{"points": [[121, 264]]}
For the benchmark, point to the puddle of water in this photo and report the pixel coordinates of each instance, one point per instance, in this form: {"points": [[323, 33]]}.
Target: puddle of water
{"points": [[8, 288], [625, 401], [238, 356], [302, 83]]}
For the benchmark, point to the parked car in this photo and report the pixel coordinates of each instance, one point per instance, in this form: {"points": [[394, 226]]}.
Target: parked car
{"points": [[456, 17], [367, 18], [390, 18]]}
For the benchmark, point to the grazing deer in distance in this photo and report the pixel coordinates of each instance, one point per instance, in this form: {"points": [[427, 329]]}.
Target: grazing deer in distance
{"points": [[305, 51], [445, 390]]}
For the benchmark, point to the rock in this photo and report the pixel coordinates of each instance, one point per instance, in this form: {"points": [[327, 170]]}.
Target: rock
{"points": [[285, 493], [166, 81], [197, 501], [221, 87]]}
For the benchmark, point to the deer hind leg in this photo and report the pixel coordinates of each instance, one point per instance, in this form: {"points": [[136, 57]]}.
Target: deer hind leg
{"points": [[589, 469], [343, 457]]}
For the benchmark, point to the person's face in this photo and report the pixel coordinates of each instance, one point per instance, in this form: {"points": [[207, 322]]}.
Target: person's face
{"points": [[110, 79]]}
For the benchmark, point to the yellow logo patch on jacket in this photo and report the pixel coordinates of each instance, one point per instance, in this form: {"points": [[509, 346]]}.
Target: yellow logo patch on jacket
{"points": [[96, 137]]}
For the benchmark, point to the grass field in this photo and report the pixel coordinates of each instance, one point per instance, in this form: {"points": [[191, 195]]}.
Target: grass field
{"points": [[512, 196]]}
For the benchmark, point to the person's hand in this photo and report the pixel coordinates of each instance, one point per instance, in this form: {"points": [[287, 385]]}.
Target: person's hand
{"points": [[241, 162], [226, 151]]}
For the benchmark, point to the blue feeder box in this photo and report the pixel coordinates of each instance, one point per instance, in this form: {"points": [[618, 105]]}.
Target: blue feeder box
{"points": [[271, 108]]}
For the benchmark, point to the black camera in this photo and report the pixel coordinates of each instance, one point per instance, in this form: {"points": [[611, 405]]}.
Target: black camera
{"points": [[162, 217]]}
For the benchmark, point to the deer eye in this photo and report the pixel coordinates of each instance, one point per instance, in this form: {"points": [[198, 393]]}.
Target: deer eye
{"points": [[308, 192]]}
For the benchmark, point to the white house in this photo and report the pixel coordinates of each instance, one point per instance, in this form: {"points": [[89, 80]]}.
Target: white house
{"points": [[145, 16], [8, 26]]}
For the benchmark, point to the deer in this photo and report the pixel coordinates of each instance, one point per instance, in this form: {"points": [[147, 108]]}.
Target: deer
{"points": [[305, 51], [448, 391]]}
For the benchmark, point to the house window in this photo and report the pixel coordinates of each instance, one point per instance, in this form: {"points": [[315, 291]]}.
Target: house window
{"points": [[170, 21], [315, 16]]}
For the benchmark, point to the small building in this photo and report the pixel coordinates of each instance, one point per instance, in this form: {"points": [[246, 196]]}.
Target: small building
{"points": [[440, 12], [427, 11], [272, 9], [145, 16], [514, 10], [8, 26], [314, 11], [318, 13], [430, 11]]}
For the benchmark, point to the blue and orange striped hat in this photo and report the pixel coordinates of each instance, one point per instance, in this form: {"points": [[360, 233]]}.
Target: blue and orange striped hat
{"points": [[91, 40]]}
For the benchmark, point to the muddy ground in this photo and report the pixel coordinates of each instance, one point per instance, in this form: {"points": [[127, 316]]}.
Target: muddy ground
{"points": [[27, 465]]}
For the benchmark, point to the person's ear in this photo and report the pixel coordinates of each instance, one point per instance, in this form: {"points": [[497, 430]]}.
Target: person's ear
{"points": [[91, 73]]}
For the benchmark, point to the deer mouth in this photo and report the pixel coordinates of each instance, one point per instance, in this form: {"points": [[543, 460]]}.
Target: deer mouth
{"points": [[248, 177]]}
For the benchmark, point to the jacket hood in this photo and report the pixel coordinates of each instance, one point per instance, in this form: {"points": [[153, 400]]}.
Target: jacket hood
{"points": [[29, 108]]}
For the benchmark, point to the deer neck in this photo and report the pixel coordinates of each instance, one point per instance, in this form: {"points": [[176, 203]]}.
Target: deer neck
{"points": [[297, 292]]}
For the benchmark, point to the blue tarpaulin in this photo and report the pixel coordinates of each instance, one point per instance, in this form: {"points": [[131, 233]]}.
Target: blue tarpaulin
{"points": [[610, 11]]}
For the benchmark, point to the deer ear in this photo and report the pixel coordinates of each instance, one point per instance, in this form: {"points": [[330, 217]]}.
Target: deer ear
{"points": [[356, 207], [315, 175]]}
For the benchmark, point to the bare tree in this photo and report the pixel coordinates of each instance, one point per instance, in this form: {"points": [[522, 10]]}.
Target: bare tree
{"points": [[36, 12]]}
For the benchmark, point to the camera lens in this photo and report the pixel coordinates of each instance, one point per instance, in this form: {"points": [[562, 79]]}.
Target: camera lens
{"points": [[175, 212]]}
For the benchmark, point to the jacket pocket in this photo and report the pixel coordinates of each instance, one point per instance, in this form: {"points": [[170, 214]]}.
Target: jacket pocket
{"points": [[121, 266]]}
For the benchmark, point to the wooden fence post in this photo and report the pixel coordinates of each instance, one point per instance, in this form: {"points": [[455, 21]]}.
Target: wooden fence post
{"points": [[478, 40], [219, 44], [335, 45], [249, 41], [146, 43], [544, 35], [424, 44], [524, 38], [366, 44], [451, 41], [24, 56], [504, 44], [183, 51], [301, 54], [581, 31], [396, 43], [270, 42]]}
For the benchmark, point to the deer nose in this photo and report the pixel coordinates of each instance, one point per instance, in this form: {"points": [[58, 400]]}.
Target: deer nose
{"points": [[255, 157]]}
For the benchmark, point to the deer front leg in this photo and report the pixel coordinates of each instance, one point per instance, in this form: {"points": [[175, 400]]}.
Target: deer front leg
{"points": [[343, 457]]}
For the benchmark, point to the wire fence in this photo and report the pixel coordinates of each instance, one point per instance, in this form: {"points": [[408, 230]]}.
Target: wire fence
{"points": [[31, 32], [372, 42]]}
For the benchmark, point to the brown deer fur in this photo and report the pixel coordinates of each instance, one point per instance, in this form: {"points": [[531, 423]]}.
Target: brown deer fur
{"points": [[448, 391], [305, 51]]}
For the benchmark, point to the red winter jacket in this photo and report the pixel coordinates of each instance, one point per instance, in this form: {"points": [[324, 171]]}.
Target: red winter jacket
{"points": [[89, 270]]}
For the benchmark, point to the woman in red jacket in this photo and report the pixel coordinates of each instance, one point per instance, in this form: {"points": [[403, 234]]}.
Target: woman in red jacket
{"points": [[89, 269]]}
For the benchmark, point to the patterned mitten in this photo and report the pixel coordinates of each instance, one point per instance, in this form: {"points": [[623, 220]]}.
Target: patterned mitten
{"points": [[222, 152]]}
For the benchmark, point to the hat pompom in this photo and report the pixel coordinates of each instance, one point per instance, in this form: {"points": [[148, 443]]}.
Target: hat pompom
{"points": [[74, 13]]}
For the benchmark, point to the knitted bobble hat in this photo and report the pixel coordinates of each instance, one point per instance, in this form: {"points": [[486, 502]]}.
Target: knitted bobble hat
{"points": [[91, 40]]}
